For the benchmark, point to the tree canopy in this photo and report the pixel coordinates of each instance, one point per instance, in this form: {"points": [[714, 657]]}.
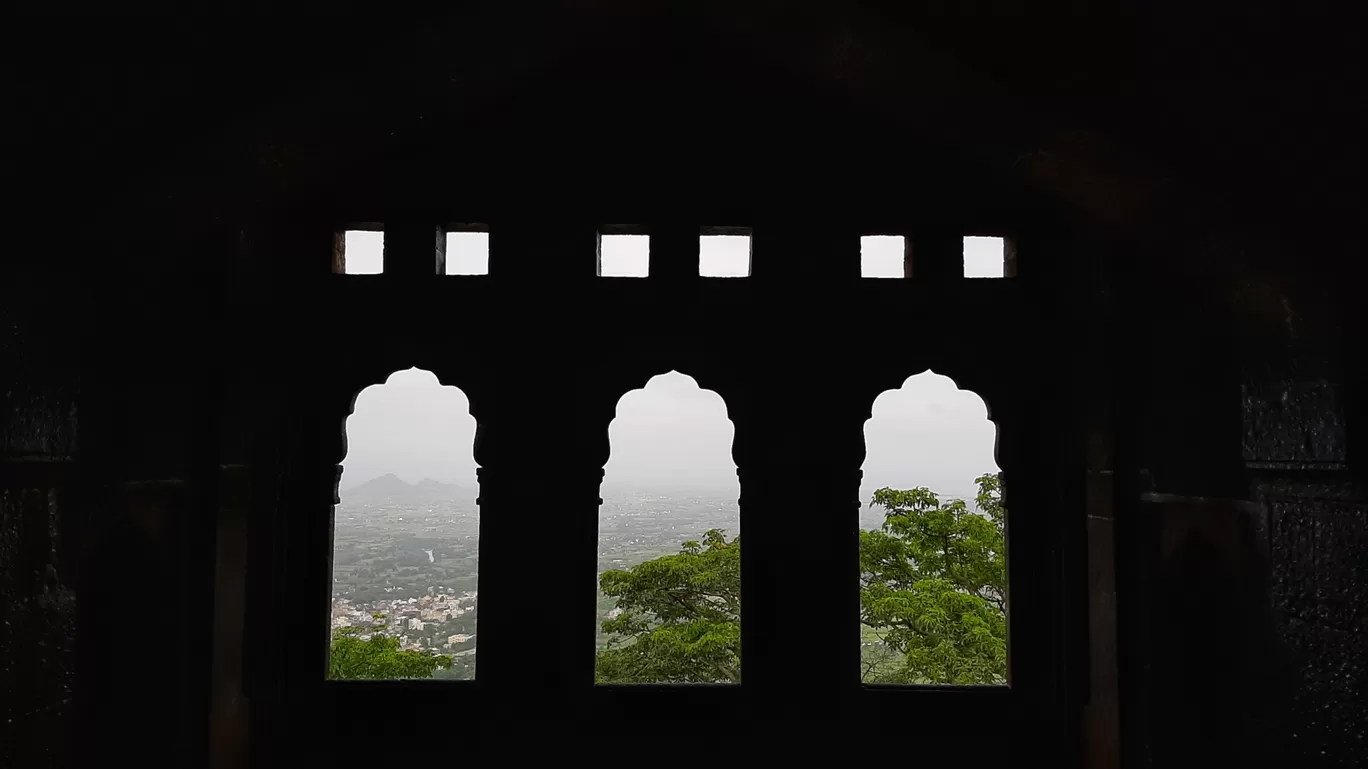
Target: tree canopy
{"points": [[679, 617], [933, 589], [933, 600], [933, 605]]}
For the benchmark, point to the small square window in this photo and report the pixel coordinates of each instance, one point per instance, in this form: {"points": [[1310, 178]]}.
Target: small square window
{"points": [[363, 252], [724, 256], [985, 257], [624, 256], [467, 252], [883, 256]]}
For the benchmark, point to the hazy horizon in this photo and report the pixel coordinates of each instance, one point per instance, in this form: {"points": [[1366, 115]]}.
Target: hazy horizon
{"points": [[673, 436]]}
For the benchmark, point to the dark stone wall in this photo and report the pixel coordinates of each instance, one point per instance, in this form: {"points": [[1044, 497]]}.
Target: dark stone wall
{"points": [[40, 523], [1176, 371], [1297, 390]]}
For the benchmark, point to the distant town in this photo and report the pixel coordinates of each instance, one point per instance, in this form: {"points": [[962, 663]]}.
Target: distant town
{"points": [[405, 556], [405, 559]]}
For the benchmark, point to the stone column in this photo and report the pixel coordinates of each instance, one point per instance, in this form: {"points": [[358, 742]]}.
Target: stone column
{"points": [[800, 476], [415, 247], [148, 460], [674, 254], [539, 482], [40, 513], [799, 523], [1299, 406], [1192, 589], [291, 591], [937, 252]]}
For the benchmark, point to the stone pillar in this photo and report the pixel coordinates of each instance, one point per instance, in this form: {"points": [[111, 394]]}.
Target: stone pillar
{"points": [[415, 247], [540, 470], [800, 525], [40, 517], [148, 464], [229, 710], [1298, 408], [811, 253], [542, 254], [674, 254], [800, 480], [1036, 454], [1193, 582], [1097, 377], [538, 548], [290, 585], [937, 252]]}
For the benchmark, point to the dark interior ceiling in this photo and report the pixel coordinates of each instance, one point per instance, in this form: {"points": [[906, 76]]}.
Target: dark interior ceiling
{"points": [[1255, 114]]}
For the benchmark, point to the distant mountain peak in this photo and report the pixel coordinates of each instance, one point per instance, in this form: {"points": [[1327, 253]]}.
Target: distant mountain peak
{"points": [[392, 487]]}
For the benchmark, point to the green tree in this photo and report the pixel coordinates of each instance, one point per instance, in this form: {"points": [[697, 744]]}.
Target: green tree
{"points": [[680, 617], [378, 655], [933, 600], [933, 589]]}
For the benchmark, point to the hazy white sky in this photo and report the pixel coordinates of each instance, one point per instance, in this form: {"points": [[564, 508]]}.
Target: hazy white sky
{"points": [[467, 253], [983, 257], [881, 256], [627, 256], [726, 256], [413, 427], [673, 435], [364, 252]]}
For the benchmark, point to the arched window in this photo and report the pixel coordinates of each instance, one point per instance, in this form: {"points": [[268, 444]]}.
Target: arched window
{"points": [[669, 607], [406, 535], [933, 568]]}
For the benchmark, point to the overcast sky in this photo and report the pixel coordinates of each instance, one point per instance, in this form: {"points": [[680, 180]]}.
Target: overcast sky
{"points": [[721, 256], [673, 435]]}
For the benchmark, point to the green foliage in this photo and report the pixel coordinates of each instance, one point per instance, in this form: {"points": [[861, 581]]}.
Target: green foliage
{"points": [[680, 619], [934, 589], [378, 656], [933, 600]]}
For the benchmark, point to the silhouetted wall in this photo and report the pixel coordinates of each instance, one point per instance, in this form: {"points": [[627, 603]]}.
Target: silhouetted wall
{"points": [[1176, 370]]}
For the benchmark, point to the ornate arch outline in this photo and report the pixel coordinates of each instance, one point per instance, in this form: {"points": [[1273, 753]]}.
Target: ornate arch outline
{"points": [[616, 383], [360, 375], [969, 377]]}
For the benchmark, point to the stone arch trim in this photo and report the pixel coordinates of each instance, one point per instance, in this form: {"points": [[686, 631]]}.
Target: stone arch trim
{"points": [[356, 375], [969, 374], [345, 377], [607, 387]]}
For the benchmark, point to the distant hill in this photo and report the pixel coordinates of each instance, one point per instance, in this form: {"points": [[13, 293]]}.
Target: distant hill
{"points": [[392, 488]]}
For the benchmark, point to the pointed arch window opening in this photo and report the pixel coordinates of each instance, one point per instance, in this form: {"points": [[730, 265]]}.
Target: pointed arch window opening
{"points": [[405, 581], [933, 549], [669, 549]]}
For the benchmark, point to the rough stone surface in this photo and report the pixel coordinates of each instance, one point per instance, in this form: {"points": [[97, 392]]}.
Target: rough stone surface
{"points": [[38, 632], [1294, 421], [177, 202], [1320, 593]]}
